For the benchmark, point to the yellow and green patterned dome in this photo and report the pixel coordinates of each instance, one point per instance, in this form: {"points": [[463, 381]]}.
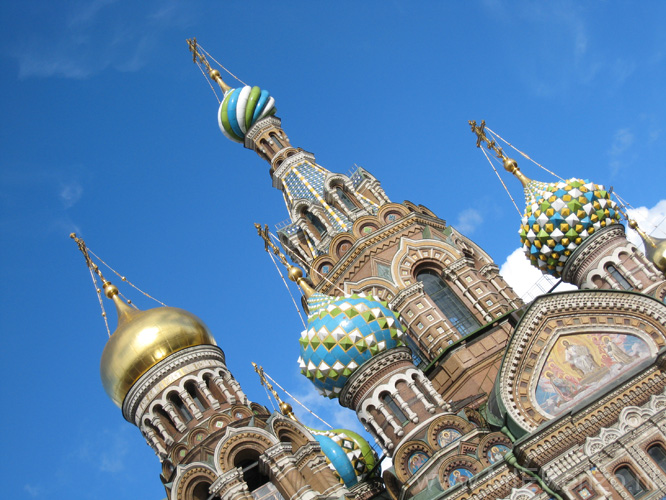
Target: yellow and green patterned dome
{"points": [[343, 333], [559, 217]]}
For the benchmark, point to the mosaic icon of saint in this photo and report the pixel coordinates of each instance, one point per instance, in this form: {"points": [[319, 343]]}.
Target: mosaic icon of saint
{"points": [[580, 358], [459, 476], [497, 452], [616, 353], [416, 461], [566, 389], [447, 436]]}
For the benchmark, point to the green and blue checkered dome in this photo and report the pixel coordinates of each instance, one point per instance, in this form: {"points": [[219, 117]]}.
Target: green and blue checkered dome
{"points": [[347, 454], [561, 215], [241, 108], [342, 334]]}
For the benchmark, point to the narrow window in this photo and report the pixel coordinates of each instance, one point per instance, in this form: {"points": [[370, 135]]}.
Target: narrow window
{"points": [[276, 141], [395, 409], [346, 201], [630, 482], [448, 302], [180, 407], [314, 220], [617, 276], [658, 454], [192, 391]]}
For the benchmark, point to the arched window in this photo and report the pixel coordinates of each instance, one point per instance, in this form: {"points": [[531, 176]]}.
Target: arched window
{"points": [[617, 276], [180, 407], [448, 302], [658, 454], [276, 141], [630, 482], [395, 409], [194, 394], [318, 225], [345, 199], [200, 491]]}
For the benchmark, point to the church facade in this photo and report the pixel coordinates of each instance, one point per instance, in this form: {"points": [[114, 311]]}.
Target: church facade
{"points": [[469, 392]]}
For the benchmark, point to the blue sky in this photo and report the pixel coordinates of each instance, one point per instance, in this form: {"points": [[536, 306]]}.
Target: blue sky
{"points": [[109, 130]]}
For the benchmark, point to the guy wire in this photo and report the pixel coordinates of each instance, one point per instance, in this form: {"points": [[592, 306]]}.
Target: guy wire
{"points": [[500, 179], [217, 62], [298, 310], [292, 397]]}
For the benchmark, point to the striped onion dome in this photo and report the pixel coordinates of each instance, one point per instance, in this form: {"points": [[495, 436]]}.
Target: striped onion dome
{"points": [[241, 108], [559, 217]]}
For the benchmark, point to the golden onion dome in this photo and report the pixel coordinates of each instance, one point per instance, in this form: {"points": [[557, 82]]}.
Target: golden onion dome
{"points": [[143, 339]]}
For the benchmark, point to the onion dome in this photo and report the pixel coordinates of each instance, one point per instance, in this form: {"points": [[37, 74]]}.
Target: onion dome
{"points": [[343, 333], [347, 454], [143, 339], [559, 216], [241, 108]]}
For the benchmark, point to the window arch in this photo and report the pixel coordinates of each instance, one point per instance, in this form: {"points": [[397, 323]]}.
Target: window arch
{"points": [[630, 481], [180, 407], [618, 277], [199, 401], [345, 199], [394, 408], [448, 302], [200, 491], [317, 223], [658, 454]]}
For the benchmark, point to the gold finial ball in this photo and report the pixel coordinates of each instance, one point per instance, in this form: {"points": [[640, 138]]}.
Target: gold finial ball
{"points": [[110, 290], [632, 224], [214, 74], [510, 165], [295, 274], [285, 408]]}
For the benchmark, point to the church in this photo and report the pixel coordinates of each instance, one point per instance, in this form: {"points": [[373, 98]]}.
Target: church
{"points": [[468, 392]]}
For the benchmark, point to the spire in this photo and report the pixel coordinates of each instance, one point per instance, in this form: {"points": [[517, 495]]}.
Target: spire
{"points": [[295, 274], [199, 58], [285, 408], [124, 311], [655, 248]]}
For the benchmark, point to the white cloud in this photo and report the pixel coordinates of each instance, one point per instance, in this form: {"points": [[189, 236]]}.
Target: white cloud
{"points": [[651, 220], [70, 193], [528, 282], [525, 279], [468, 220], [33, 491], [622, 141], [93, 36]]}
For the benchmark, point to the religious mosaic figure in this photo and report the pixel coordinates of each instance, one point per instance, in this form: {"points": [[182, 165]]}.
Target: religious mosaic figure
{"points": [[416, 461], [562, 386], [496, 453], [616, 353], [580, 358], [459, 475], [447, 436]]}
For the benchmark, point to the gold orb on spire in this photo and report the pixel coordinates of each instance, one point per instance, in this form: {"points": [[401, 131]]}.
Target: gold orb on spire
{"points": [[143, 339]]}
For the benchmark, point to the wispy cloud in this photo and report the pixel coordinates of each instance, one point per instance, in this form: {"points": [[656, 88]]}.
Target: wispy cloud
{"points": [[93, 36], [468, 221], [70, 193], [622, 141], [33, 490]]}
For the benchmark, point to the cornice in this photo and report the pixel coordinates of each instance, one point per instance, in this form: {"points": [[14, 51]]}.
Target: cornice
{"points": [[184, 362], [366, 372]]}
